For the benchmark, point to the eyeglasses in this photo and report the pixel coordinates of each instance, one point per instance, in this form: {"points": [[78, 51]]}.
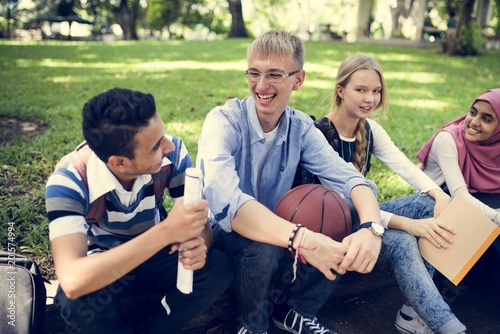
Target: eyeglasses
{"points": [[272, 77]]}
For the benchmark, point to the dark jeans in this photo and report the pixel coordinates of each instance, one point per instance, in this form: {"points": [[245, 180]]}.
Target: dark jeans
{"points": [[96, 312], [490, 260], [254, 265]]}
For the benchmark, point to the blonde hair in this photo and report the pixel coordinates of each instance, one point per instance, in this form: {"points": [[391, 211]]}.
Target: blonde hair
{"points": [[349, 66], [278, 42]]}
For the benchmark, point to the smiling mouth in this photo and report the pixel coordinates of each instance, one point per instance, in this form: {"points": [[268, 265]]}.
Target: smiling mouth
{"points": [[473, 130], [267, 97]]}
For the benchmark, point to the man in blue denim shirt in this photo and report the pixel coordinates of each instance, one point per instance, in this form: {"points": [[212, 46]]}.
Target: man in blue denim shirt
{"points": [[249, 151]]}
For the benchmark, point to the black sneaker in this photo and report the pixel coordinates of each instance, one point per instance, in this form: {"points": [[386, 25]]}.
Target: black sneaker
{"points": [[295, 323]]}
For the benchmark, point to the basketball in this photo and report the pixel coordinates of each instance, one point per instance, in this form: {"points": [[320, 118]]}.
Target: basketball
{"points": [[318, 208]]}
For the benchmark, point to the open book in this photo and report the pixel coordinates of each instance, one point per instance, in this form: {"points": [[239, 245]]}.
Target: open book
{"points": [[475, 233]]}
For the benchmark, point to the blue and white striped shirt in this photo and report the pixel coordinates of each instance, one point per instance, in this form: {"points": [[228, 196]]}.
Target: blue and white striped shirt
{"points": [[128, 213]]}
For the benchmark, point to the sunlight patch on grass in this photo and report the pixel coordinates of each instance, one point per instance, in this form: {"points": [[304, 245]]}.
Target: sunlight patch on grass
{"points": [[169, 65], [424, 104], [321, 76], [145, 66], [390, 185], [322, 84], [24, 63], [399, 57], [329, 70], [184, 126], [90, 56], [58, 63], [415, 77], [62, 79]]}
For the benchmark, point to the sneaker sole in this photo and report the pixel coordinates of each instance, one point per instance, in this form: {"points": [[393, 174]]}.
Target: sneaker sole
{"points": [[402, 330], [280, 326]]}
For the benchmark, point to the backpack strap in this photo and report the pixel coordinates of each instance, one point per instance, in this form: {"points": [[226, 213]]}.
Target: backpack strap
{"points": [[332, 136], [369, 147], [329, 131], [78, 159], [160, 181]]}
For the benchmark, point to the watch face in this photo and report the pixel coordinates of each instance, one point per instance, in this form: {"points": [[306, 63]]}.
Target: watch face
{"points": [[379, 229]]}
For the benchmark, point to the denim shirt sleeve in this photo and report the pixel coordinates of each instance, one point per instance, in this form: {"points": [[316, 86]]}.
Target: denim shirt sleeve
{"points": [[230, 141], [220, 141], [321, 159]]}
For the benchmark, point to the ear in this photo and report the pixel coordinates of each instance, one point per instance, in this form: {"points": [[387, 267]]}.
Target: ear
{"points": [[117, 162], [299, 79], [340, 91]]}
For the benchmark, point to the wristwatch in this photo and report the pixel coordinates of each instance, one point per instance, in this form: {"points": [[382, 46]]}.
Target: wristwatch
{"points": [[375, 227]]}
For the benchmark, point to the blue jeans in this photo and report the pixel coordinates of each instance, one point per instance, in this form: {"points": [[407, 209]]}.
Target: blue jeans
{"points": [[254, 265], [413, 273], [96, 312]]}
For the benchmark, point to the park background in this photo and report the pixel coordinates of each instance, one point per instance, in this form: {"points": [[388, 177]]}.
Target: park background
{"points": [[46, 77]]}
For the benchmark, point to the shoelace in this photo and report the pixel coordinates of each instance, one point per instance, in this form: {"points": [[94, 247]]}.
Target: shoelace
{"points": [[427, 329], [243, 330], [420, 321], [312, 324]]}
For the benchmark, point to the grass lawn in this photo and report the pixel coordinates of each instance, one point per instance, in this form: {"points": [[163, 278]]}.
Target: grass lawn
{"points": [[47, 83]]}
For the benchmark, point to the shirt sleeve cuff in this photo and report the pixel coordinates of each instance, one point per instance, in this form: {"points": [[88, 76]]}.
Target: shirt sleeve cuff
{"points": [[385, 217], [67, 225]]}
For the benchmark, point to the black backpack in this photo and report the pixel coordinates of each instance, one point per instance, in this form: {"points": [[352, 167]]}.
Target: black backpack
{"points": [[23, 295]]}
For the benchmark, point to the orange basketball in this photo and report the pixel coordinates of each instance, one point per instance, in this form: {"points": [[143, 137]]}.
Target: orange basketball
{"points": [[318, 208]]}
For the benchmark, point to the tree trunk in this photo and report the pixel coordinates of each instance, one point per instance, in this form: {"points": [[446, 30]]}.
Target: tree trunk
{"points": [[237, 25], [464, 19], [396, 13], [127, 19], [8, 21], [365, 18]]}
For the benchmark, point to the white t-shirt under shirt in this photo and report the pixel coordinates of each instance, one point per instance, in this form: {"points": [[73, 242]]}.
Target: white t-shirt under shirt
{"points": [[268, 144], [442, 165]]}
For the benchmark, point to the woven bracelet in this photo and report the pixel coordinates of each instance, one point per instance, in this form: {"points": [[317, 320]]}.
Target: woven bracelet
{"points": [[292, 237]]}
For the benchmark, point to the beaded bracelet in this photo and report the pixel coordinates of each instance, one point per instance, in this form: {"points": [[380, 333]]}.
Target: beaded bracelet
{"points": [[292, 237]]}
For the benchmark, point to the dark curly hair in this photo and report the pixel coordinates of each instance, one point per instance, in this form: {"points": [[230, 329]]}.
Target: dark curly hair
{"points": [[111, 120]]}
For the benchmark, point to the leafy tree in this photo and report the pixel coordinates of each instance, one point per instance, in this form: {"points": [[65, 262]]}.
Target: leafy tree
{"points": [[162, 14], [216, 16], [496, 13], [165, 13], [27, 17], [127, 14], [467, 40], [399, 13], [99, 12], [279, 7], [11, 5], [449, 8]]}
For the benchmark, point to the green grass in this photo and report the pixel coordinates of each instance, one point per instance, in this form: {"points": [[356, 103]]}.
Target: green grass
{"points": [[50, 81]]}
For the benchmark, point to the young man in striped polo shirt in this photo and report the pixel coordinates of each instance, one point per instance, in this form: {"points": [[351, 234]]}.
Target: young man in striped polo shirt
{"points": [[109, 232]]}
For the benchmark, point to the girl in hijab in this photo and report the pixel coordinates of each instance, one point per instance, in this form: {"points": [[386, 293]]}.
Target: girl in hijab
{"points": [[464, 158]]}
